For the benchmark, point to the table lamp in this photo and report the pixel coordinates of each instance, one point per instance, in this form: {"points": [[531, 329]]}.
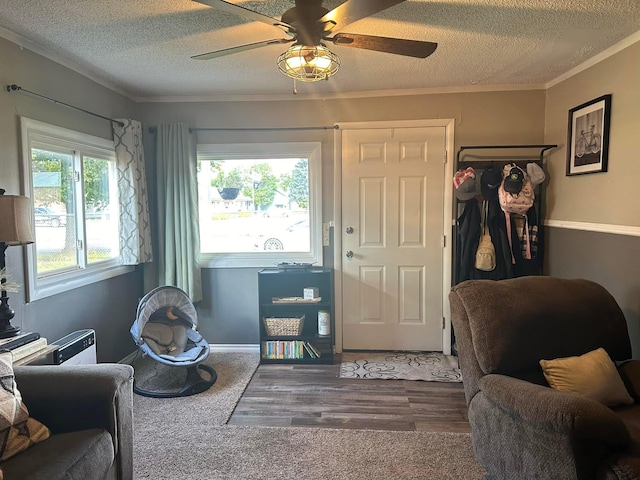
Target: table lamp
{"points": [[16, 228]]}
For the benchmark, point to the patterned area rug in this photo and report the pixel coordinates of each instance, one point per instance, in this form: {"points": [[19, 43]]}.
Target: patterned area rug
{"points": [[427, 366]]}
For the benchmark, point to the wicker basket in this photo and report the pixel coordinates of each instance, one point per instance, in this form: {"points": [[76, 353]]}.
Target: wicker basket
{"points": [[277, 327]]}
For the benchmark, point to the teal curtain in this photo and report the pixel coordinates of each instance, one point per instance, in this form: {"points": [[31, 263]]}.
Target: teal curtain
{"points": [[177, 210]]}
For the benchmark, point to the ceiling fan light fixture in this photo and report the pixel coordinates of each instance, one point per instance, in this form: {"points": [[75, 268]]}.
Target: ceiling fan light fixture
{"points": [[308, 64]]}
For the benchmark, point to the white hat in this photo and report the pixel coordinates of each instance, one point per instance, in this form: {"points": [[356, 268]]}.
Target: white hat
{"points": [[536, 174]]}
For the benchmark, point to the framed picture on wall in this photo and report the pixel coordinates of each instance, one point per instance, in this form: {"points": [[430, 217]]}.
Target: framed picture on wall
{"points": [[588, 138]]}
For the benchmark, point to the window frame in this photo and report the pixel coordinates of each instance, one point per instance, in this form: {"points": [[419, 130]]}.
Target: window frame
{"points": [[83, 145], [234, 151]]}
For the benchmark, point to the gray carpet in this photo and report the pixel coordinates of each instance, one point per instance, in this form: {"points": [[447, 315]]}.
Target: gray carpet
{"points": [[186, 438], [210, 408], [427, 366]]}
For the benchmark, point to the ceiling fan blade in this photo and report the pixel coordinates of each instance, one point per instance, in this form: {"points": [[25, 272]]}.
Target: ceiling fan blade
{"points": [[245, 12], [398, 46], [240, 48], [353, 10]]}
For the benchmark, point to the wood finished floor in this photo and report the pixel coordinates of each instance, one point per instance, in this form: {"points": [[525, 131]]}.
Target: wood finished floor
{"points": [[315, 396]]}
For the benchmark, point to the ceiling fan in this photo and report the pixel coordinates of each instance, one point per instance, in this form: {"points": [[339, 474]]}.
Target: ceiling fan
{"points": [[308, 25]]}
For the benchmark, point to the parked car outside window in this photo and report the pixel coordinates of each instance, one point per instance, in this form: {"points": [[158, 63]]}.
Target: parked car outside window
{"points": [[46, 216], [276, 211], [294, 238]]}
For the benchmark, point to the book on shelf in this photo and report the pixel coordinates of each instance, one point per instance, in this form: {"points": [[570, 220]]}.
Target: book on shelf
{"points": [[288, 350], [282, 349], [27, 349], [309, 351], [314, 349], [43, 356], [18, 340]]}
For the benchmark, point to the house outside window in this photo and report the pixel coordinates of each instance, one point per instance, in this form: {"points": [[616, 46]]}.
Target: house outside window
{"points": [[259, 204], [71, 179]]}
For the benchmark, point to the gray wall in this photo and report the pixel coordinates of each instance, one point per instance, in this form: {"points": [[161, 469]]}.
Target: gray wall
{"points": [[229, 312], [108, 307], [611, 260]]}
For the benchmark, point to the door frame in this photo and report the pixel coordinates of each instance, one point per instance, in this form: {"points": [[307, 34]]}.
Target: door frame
{"points": [[448, 218]]}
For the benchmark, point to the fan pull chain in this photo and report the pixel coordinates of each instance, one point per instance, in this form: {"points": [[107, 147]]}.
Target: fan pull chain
{"points": [[295, 89]]}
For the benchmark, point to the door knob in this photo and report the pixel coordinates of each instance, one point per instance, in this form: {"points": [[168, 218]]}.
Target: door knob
{"points": [[349, 230], [349, 254]]}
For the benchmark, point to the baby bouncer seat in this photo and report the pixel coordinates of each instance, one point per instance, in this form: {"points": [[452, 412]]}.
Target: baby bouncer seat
{"points": [[165, 329]]}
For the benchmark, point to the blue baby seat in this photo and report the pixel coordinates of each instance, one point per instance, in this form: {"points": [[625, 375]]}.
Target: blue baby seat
{"points": [[165, 330]]}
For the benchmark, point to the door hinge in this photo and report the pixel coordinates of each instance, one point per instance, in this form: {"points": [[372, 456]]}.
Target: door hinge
{"points": [[445, 156], [443, 323], [443, 241]]}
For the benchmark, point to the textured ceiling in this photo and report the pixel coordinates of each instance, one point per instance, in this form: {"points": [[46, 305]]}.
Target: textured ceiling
{"points": [[143, 47]]}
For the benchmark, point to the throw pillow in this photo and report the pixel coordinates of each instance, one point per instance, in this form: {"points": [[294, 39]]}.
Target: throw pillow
{"points": [[593, 375], [18, 431]]}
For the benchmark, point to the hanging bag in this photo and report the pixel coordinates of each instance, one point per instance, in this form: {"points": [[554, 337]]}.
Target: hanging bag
{"points": [[516, 196], [486, 252], [515, 192]]}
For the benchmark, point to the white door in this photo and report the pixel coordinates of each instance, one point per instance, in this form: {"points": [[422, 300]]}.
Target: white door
{"points": [[392, 227]]}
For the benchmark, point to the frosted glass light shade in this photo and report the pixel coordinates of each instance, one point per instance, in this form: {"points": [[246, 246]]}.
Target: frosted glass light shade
{"points": [[308, 64]]}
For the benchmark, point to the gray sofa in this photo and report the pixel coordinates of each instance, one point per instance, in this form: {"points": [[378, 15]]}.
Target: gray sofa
{"points": [[521, 428], [89, 409]]}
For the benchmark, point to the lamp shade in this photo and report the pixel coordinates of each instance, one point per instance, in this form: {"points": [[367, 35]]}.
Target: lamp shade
{"points": [[16, 224]]}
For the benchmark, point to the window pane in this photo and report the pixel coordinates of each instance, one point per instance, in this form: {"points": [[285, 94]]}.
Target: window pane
{"points": [[101, 209], [61, 161], [54, 211], [254, 205]]}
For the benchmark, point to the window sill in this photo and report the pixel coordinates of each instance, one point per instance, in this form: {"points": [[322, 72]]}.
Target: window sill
{"points": [[47, 287], [255, 260]]}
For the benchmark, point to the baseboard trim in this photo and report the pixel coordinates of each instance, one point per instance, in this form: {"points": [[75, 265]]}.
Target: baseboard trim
{"points": [[595, 227], [129, 358], [235, 347]]}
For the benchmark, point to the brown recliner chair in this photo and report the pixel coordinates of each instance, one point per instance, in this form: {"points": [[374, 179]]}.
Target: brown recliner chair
{"points": [[522, 428]]}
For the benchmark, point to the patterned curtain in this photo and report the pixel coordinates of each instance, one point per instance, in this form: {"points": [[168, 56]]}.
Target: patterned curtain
{"points": [[135, 231], [177, 203]]}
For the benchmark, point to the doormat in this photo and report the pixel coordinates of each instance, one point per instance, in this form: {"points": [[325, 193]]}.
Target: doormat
{"points": [[427, 366]]}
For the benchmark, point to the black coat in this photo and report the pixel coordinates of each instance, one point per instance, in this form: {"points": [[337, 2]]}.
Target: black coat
{"points": [[468, 237]]}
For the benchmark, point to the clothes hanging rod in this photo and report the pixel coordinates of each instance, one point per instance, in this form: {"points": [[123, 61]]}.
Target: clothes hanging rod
{"points": [[543, 148], [17, 88], [245, 129]]}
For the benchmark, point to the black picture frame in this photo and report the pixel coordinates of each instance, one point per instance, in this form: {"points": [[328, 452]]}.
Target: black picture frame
{"points": [[588, 137]]}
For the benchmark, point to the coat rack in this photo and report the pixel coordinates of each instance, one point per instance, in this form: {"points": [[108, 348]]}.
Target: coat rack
{"points": [[543, 148], [529, 267]]}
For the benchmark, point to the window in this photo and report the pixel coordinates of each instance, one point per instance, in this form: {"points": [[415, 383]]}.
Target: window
{"points": [[71, 179], [259, 204]]}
